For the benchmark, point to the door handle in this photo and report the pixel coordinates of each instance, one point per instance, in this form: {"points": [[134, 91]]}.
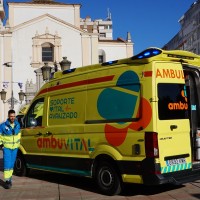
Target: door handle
{"points": [[48, 133], [39, 134], [172, 127]]}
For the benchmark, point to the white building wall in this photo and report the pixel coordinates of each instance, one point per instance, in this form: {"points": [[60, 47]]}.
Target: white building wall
{"points": [[24, 13], [1, 77], [5, 71], [113, 52], [22, 48], [71, 40]]}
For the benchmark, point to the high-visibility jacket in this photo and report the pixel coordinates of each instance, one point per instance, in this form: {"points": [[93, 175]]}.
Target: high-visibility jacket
{"points": [[10, 134]]}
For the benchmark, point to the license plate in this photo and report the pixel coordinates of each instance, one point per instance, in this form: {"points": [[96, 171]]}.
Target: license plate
{"points": [[176, 161]]}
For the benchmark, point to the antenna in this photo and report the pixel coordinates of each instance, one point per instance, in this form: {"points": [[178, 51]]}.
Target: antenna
{"points": [[109, 15]]}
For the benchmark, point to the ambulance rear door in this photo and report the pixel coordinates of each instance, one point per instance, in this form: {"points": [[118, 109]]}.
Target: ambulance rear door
{"points": [[172, 125]]}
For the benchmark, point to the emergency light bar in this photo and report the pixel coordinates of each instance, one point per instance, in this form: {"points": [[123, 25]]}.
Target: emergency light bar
{"points": [[69, 71], [147, 53], [109, 63], [180, 56]]}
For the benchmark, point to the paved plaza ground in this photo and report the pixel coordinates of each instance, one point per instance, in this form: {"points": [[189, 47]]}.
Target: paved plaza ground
{"points": [[50, 186]]}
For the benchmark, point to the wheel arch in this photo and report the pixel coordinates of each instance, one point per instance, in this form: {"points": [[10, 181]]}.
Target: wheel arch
{"points": [[20, 166], [106, 153], [22, 150]]}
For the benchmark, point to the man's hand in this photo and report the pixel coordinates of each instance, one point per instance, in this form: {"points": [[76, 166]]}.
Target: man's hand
{"points": [[1, 146]]}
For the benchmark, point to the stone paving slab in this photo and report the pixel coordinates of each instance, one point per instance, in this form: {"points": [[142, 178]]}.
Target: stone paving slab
{"points": [[50, 186]]}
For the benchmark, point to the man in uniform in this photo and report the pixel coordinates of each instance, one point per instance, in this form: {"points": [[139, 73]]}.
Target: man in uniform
{"points": [[9, 142]]}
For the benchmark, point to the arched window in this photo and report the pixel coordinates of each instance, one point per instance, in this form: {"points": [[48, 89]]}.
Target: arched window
{"points": [[46, 48], [102, 56], [47, 52]]}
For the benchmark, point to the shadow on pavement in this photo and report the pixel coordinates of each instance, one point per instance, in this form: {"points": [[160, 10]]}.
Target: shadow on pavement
{"points": [[89, 185], [136, 189], [196, 196], [63, 179], [1, 183]]}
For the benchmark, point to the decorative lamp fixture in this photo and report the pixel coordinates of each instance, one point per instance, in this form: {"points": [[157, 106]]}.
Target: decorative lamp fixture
{"points": [[3, 95], [65, 64], [46, 72], [21, 95]]}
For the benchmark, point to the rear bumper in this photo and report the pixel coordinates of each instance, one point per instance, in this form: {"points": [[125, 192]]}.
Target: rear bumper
{"points": [[148, 173], [176, 178]]}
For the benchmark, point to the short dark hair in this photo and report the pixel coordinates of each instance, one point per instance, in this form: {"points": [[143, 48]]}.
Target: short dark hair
{"points": [[11, 112]]}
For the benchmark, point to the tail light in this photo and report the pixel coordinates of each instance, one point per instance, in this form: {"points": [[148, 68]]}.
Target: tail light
{"points": [[151, 145]]}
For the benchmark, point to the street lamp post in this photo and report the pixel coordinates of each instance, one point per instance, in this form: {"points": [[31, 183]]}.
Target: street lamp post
{"points": [[3, 95], [46, 69], [12, 101], [46, 72], [21, 95], [65, 64]]}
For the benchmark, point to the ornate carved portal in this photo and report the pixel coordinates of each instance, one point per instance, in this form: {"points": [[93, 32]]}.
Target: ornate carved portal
{"points": [[46, 44], [46, 48]]}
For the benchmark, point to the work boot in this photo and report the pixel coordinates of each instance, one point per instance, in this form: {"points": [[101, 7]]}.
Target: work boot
{"points": [[8, 185]]}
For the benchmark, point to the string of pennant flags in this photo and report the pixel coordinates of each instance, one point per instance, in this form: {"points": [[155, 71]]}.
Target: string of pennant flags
{"points": [[6, 83]]}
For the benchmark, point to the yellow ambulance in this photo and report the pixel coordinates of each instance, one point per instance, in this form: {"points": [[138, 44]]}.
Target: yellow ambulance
{"points": [[133, 120]]}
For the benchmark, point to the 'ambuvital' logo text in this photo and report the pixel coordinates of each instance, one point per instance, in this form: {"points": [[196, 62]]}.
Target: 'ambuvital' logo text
{"points": [[179, 105]]}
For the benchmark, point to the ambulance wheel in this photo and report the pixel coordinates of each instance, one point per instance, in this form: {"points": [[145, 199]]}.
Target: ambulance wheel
{"points": [[108, 179], [20, 168]]}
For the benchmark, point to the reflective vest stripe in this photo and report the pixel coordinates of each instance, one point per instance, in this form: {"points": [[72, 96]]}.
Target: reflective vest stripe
{"points": [[11, 141]]}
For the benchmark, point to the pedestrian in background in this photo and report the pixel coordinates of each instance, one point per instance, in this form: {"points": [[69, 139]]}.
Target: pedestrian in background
{"points": [[9, 142]]}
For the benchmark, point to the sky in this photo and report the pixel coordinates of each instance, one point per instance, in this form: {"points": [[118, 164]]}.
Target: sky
{"points": [[152, 23]]}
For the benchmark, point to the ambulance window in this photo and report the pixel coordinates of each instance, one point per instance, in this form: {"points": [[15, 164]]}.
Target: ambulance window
{"points": [[172, 101], [35, 113], [20, 119]]}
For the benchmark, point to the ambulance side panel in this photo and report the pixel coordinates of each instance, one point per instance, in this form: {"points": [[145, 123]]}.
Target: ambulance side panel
{"points": [[131, 114], [106, 116]]}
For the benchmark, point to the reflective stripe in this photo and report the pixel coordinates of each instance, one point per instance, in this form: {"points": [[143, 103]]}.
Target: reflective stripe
{"points": [[11, 141], [10, 134], [8, 174], [175, 168]]}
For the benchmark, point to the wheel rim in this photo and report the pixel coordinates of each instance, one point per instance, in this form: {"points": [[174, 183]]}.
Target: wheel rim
{"points": [[106, 177]]}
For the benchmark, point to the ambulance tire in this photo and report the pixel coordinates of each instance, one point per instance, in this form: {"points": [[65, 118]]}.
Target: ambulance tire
{"points": [[20, 168], [107, 179]]}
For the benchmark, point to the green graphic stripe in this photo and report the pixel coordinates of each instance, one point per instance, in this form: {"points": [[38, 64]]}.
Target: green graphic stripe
{"points": [[55, 169], [91, 149], [176, 168]]}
